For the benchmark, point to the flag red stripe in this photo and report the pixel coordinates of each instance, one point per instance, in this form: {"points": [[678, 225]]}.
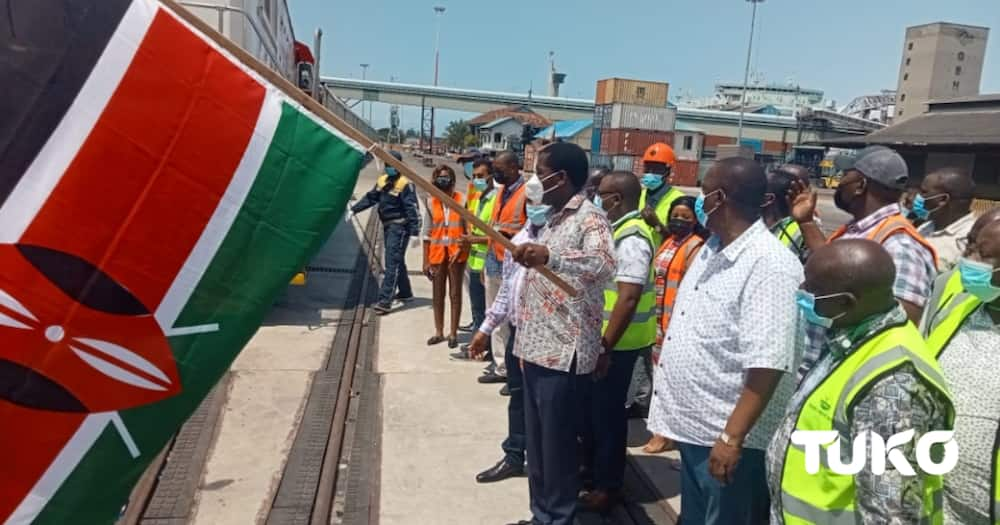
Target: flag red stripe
{"points": [[146, 181], [29, 448]]}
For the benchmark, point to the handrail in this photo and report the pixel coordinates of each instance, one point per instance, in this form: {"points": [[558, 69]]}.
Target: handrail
{"points": [[222, 9]]}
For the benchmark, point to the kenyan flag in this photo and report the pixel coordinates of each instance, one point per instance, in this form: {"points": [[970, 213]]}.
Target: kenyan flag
{"points": [[155, 195]]}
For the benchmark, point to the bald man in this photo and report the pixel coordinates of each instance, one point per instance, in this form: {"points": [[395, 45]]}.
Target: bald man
{"points": [[629, 332], [962, 327], [724, 371], [945, 202], [875, 375]]}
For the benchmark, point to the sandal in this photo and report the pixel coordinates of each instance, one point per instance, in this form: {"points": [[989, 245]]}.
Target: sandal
{"points": [[437, 339], [452, 342], [659, 444]]}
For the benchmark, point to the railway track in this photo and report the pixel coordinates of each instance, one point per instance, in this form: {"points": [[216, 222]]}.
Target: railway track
{"points": [[331, 472]]}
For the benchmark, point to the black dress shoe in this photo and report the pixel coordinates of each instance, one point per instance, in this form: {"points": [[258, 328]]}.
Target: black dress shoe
{"points": [[505, 391], [499, 472], [467, 328], [492, 377]]}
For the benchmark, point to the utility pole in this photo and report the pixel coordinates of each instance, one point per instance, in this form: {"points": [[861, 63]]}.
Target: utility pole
{"points": [[438, 12], [746, 72], [364, 75]]}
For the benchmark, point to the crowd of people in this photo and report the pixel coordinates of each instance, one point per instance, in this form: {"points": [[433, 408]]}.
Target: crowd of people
{"points": [[730, 321]]}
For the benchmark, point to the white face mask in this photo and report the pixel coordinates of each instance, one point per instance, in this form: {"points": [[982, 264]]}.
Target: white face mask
{"points": [[534, 190]]}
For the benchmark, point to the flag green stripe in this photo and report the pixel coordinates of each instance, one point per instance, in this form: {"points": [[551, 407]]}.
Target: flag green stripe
{"points": [[293, 206]]}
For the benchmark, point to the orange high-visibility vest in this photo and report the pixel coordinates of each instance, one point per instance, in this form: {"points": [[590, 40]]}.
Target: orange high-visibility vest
{"points": [[679, 264], [892, 225], [507, 220], [446, 231]]}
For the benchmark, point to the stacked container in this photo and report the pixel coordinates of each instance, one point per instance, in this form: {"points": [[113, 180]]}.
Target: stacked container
{"points": [[629, 116]]}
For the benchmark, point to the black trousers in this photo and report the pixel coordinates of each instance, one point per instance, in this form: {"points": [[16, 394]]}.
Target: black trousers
{"points": [[605, 433], [513, 446], [551, 401]]}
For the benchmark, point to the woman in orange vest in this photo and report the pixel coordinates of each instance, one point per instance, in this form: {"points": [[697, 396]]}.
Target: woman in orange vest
{"points": [[685, 238], [444, 254]]}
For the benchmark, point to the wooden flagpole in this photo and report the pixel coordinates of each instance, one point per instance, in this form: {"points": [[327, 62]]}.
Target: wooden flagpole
{"points": [[293, 92]]}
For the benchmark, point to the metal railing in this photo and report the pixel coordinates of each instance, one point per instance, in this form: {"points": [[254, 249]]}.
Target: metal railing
{"points": [[269, 44]]}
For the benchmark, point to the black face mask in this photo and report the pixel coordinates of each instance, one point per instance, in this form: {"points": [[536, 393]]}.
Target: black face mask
{"points": [[498, 177], [442, 183], [840, 200], [680, 227]]}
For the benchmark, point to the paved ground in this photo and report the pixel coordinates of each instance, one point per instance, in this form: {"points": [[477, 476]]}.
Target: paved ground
{"points": [[440, 427]]}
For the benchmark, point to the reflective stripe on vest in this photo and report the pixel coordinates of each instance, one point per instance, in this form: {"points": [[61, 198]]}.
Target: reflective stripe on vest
{"points": [[477, 253], [827, 497], [445, 232], [790, 234], [995, 516], [662, 208], [507, 219], [641, 330], [890, 226]]}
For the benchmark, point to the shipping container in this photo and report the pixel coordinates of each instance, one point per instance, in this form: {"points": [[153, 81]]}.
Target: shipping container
{"points": [[714, 141], [633, 116], [684, 173], [595, 140], [623, 162], [599, 161], [640, 92], [602, 115], [632, 141]]}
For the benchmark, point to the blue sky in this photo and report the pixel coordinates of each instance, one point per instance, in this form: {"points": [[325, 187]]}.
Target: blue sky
{"points": [[845, 47]]}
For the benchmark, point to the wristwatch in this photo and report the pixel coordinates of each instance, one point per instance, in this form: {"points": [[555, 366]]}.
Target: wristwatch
{"points": [[731, 441]]}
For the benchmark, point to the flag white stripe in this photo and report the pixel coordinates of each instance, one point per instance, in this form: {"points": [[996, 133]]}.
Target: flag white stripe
{"points": [[62, 146], [222, 219]]}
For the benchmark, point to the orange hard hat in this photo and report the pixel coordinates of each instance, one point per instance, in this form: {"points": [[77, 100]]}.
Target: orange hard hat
{"points": [[661, 153]]}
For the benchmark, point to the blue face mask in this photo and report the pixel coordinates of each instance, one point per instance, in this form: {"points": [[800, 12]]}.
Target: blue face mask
{"points": [[920, 210], [480, 184], [651, 181], [390, 171], [599, 202], [977, 279], [538, 214], [699, 208], [807, 305]]}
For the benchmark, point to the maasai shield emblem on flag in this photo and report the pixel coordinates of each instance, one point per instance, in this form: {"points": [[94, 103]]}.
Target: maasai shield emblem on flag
{"points": [[155, 196]]}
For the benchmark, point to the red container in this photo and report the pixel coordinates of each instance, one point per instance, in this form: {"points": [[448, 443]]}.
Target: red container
{"points": [[684, 173], [713, 141], [631, 141]]}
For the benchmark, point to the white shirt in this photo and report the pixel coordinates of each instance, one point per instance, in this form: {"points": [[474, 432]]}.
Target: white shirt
{"points": [[633, 256], [735, 310], [945, 242]]}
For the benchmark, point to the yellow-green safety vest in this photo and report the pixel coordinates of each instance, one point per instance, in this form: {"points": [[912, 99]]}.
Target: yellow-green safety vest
{"points": [[790, 234], [950, 306], [477, 253], [641, 331], [827, 497], [662, 208]]}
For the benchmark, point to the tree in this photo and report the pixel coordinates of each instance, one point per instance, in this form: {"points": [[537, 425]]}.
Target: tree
{"points": [[411, 133], [455, 135]]}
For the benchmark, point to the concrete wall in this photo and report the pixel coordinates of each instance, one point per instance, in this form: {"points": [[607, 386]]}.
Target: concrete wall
{"points": [[487, 136], [929, 67]]}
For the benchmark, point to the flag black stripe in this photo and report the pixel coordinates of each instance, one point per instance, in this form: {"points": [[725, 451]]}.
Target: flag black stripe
{"points": [[47, 50]]}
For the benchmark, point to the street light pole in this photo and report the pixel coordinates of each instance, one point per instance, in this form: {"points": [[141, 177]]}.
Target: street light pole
{"points": [[438, 11], [746, 72], [364, 75]]}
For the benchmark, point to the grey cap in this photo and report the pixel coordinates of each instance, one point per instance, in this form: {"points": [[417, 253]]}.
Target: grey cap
{"points": [[879, 164]]}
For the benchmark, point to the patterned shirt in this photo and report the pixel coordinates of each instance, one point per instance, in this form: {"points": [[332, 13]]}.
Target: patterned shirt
{"points": [[915, 272], [969, 364], [895, 403], [554, 328], [661, 265], [506, 301], [735, 310]]}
